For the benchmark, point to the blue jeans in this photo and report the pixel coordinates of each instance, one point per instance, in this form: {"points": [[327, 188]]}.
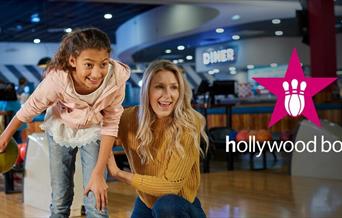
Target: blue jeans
{"points": [[62, 169], [169, 206]]}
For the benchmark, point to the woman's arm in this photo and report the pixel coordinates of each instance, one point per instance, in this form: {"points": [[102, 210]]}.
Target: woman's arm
{"points": [[170, 182]]}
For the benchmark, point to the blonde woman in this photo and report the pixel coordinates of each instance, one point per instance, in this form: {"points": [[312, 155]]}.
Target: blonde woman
{"points": [[162, 142]]}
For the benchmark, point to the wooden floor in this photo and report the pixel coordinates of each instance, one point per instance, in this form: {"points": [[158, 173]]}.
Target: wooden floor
{"points": [[228, 194]]}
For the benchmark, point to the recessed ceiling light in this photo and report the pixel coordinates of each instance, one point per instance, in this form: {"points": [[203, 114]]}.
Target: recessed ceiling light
{"points": [[108, 16], [274, 65], [140, 83], [189, 57], [68, 30], [232, 68], [276, 21], [181, 47], [233, 72], [35, 18], [210, 72], [278, 33], [168, 51], [235, 37], [175, 61], [36, 41], [219, 30], [236, 17], [180, 60], [250, 66], [19, 27]]}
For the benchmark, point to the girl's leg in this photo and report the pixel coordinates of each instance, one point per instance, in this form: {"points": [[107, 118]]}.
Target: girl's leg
{"points": [[174, 206], [89, 155], [141, 210], [62, 169]]}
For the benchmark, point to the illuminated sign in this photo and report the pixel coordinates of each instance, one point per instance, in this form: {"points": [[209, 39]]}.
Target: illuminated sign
{"points": [[218, 56]]}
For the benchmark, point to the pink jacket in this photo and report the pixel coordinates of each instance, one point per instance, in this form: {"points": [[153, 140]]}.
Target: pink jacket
{"points": [[57, 90]]}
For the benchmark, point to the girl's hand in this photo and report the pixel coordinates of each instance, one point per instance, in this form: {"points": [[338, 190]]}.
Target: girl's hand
{"points": [[99, 187], [113, 169], [3, 143]]}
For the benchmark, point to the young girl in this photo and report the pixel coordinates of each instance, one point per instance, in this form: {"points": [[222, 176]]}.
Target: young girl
{"points": [[82, 92], [161, 138]]}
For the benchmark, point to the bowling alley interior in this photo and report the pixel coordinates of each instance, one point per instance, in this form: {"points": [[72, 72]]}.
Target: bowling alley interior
{"points": [[274, 142]]}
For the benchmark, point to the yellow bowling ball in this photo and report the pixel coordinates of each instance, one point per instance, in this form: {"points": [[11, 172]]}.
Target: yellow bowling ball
{"points": [[9, 157]]}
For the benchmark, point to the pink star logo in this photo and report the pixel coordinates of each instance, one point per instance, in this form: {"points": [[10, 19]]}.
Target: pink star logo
{"points": [[294, 92]]}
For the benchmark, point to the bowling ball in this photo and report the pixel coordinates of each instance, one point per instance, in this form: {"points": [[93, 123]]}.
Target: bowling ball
{"points": [[232, 134], [263, 135], [9, 157], [253, 133], [242, 135], [22, 151], [285, 135]]}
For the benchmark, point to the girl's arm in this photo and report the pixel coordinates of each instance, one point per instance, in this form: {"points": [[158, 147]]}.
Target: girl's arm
{"points": [[9, 132], [97, 183], [42, 97], [109, 130]]}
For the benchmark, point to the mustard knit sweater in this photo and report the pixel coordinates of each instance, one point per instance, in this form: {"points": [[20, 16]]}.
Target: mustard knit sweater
{"points": [[164, 175]]}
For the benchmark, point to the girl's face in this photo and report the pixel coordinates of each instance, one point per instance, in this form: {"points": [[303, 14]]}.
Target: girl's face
{"points": [[91, 67], [163, 93]]}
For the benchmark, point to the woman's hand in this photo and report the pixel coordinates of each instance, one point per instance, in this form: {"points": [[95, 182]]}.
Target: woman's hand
{"points": [[97, 184], [113, 169]]}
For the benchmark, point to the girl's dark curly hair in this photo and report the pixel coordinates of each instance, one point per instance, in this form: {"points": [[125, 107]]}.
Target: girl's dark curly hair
{"points": [[74, 43]]}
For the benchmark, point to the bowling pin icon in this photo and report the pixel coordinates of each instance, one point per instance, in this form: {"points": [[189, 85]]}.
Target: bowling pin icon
{"points": [[287, 96], [301, 96], [294, 102]]}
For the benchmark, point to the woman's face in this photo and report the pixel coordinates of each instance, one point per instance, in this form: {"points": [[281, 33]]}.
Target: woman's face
{"points": [[91, 66], [163, 93]]}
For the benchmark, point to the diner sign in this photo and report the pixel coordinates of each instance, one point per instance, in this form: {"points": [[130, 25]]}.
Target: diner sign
{"points": [[215, 56]]}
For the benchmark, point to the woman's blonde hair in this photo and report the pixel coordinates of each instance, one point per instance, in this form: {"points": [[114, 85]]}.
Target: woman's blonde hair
{"points": [[184, 117]]}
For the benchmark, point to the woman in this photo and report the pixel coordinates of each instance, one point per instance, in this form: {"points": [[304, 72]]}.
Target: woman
{"points": [[162, 142]]}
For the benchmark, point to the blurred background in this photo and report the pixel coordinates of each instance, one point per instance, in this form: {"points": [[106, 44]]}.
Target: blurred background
{"points": [[220, 45]]}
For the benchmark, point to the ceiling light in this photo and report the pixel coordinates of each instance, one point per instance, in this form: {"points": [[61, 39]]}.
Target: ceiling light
{"points": [[278, 33], [250, 66], [276, 21], [168, 51], [140, 83], [219, 30], [108, 16], [19, 27], [36, 41], [35, 18], [232, 68], [180, 60], [274, 65], [235, 37], [181, 47], [68, 30], [236, 17], [189, 57], [233, 72], [175, 61]]}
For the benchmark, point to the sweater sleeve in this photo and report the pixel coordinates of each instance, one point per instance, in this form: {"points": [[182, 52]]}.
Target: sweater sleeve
{"points": [[112, 113], [43, 96], [176, 173]]}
